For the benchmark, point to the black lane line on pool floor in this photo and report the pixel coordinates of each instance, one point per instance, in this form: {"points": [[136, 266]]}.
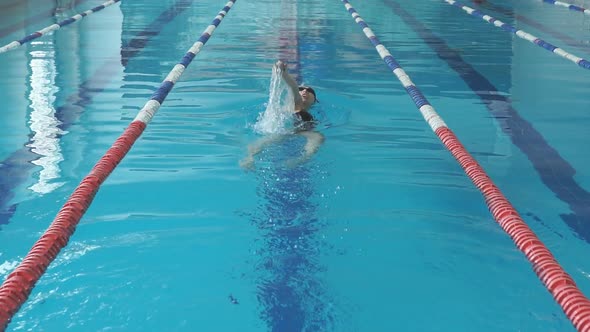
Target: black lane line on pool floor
{"points": [[282, 304], [16, 168], [555, 172]]}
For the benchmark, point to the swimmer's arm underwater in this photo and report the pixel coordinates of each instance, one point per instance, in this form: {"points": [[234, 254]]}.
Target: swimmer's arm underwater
{"points": [[257, 147], [313, 142]]}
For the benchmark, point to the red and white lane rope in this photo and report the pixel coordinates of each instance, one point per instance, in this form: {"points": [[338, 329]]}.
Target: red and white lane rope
{"points": [[19, 284], [563, 288]]}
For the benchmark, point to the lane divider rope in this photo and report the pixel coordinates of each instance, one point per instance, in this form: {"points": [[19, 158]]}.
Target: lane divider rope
{"points": [[569, 6], [563, 288], [19, 283], [17, 43], [522, 34]]}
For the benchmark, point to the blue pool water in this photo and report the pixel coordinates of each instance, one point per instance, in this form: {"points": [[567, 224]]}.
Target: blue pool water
{"points": [[379, 231]]}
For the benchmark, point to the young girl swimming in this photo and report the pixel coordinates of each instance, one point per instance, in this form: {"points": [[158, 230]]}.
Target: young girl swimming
{"points": [[304, 97]]}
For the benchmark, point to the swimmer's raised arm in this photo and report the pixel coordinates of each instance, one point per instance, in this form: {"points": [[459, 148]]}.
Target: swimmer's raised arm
{"points": [[290, 82]]}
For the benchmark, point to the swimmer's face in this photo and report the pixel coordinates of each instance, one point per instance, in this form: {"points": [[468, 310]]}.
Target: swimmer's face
{"points": [[308, 96]]}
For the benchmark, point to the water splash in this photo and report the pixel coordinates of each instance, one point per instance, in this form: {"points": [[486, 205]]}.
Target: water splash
{"points": [[278, 116]]}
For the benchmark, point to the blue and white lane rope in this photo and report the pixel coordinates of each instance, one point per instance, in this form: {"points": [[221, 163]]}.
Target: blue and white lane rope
{"points": [[568, 6], [151, 107], [428, 112], [53, 27], [522, 34]]}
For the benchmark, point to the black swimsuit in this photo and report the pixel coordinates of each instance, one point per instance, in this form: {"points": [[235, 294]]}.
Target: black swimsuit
{"points": [[303, 120]]}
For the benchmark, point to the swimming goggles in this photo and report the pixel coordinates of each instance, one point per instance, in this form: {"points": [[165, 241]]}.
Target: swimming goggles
{"points": [[310, 90]]}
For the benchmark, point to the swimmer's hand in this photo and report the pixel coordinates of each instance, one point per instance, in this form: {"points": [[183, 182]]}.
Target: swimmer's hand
{"points": [[281, 65]]}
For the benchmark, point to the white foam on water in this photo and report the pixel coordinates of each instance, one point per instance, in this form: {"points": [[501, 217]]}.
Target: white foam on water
{"points": [[7, 267], [278, 116]]}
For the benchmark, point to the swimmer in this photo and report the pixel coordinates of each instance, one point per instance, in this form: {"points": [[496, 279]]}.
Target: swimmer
{"points": [[304, 97]]}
